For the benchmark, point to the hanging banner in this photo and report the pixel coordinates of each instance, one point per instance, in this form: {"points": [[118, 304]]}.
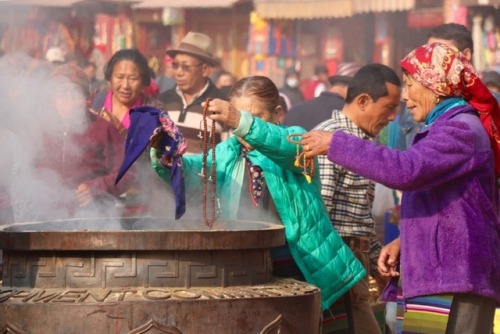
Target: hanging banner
{"points": [[425, 18]]}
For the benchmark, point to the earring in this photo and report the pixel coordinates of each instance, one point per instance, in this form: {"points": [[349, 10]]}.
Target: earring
{"points": [[437, 99]]}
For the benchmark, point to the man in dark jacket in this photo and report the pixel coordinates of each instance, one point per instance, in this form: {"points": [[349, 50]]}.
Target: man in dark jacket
{"points": [[310, 113], [291, 89], [192, 65]]}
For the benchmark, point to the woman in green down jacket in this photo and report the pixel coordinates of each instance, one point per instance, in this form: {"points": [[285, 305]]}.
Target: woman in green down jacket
{"points": [[256, 178]]}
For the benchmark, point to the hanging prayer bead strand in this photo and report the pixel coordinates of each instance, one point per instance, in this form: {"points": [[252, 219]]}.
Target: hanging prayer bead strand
{"points": [[205, 178], [213, 172]]}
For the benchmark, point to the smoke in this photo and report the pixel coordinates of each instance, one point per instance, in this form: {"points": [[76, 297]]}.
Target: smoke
{"points": [[39, 189], [35, 178]]}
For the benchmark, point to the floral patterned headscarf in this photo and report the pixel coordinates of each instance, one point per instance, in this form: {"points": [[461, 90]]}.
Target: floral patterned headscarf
{"points": [[443, 70], [446, 72]]}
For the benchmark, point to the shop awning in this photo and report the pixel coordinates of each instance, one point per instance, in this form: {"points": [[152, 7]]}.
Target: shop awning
{"points": [[314, 9], [184, 3], [480, 2], [377, 6], [53, 3], [302, 9], [133, 3]]}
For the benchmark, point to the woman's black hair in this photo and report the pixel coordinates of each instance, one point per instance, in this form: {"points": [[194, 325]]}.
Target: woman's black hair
{"points": [[134, 56]]}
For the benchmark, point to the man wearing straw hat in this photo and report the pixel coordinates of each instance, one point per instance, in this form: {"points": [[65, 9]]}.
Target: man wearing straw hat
{"points": [[192, 63]]}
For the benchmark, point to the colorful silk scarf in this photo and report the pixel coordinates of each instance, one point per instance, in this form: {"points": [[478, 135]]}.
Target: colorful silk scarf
{"points": [[256, 176]]}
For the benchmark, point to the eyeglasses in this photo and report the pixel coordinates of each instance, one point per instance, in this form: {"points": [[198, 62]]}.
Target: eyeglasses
{"points": [[184, 67]]}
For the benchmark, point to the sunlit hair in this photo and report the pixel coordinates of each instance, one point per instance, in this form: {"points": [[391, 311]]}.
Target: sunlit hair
{"points": [[134, 56], [260, 87], [371, 79], [458, 33]]}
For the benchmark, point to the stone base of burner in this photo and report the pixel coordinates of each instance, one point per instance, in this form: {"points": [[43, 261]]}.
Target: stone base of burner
{"points": [[281, 306]]}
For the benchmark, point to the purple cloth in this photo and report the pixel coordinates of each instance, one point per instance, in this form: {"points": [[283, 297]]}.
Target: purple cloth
{"points": [[144, 122], [449, 217]]}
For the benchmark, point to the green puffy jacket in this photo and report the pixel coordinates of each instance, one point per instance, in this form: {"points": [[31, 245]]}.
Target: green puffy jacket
{"points": [[319, 252]]}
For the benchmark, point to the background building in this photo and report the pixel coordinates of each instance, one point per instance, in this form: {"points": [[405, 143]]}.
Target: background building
{"points": [[252, 37]]}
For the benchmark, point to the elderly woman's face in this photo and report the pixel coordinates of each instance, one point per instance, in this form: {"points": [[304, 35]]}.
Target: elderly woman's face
{"points": [[419, 99], [126, 82], [254, 106]]}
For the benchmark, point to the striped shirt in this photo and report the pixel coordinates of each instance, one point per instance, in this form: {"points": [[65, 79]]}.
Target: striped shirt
{"points": [[348, 196]]}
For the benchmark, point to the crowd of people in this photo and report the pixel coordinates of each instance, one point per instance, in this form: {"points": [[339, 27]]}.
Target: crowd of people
{"points": [[306, 156]]}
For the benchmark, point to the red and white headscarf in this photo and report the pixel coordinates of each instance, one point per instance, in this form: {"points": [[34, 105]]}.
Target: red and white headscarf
{"points": [[446, 72]]}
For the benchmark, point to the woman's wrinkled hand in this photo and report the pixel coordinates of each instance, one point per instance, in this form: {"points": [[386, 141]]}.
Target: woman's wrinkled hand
{"points": [[388, 259], [223, 112], [316, 142]]}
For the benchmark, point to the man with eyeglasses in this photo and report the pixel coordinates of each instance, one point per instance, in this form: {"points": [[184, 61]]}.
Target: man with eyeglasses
{"points": [[192, 64]]}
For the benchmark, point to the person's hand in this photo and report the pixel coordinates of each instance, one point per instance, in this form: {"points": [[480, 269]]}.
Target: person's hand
{"points": [[155, 140], [245, 144], [222, 111], [388, 259], [83, 195], [316, 142]]}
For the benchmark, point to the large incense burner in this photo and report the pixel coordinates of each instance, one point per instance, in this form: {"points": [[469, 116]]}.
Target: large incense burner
{"points": [[149, 276]]}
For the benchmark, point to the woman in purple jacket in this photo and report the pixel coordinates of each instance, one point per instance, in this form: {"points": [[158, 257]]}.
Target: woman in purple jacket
{"points": [[448, 253]]}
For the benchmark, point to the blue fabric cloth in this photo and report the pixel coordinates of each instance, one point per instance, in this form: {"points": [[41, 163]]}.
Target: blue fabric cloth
{"points": [[145, 121], [403, 129], [496, 95], [393, 129], [442, 107]]}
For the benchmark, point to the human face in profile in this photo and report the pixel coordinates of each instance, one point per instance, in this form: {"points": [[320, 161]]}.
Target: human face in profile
{"points": [[419, 99], [257, 108], [377, 114]]}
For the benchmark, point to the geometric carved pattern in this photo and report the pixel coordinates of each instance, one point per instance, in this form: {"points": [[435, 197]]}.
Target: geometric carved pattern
{"points": [[119, 269], [155, 327], [11, 329], [279, 326]]}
